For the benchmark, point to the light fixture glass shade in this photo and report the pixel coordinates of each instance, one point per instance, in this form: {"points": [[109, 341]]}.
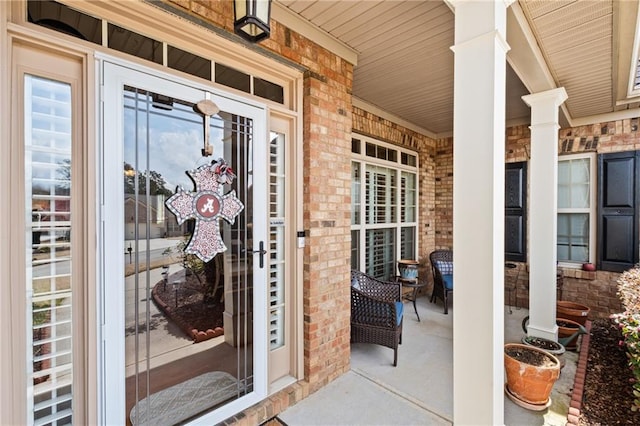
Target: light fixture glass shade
{"points": [[251, 19]]}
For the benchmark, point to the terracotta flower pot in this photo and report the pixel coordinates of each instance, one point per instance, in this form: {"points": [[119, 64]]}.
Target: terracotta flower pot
{"points": [[566, 329], [531, 373], [572, 311]]}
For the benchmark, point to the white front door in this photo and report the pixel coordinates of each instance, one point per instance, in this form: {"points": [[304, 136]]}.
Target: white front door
{"points": [[182, 339]]}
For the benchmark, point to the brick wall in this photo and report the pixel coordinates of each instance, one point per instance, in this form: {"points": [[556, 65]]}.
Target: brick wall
{"points": [[327, 200], [444, 194], [594, 289]]}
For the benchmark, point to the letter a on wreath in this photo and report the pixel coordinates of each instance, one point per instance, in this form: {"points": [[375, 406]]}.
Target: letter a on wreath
{"points": [[206, 205]]}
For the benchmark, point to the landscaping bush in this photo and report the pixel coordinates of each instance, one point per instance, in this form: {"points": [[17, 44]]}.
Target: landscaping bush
{"points": [[629, 323]]}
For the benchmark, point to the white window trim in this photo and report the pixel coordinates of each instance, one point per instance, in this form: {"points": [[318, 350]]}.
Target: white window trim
{"points": [[592, 210], [363, 159]]}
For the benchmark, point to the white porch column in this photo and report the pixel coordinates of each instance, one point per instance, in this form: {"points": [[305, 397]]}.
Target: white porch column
{"points": [[478, 211], [543, 209]]}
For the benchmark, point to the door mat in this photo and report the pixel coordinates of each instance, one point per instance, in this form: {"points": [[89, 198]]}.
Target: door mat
{"points": [[185, 400]]}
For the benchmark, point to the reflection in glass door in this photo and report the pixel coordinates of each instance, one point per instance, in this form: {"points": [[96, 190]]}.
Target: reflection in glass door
{"points": [[48, 161], [189, 339]]}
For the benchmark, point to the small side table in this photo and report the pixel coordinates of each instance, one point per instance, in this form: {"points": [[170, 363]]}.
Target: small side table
{"points": [[415, 284]]}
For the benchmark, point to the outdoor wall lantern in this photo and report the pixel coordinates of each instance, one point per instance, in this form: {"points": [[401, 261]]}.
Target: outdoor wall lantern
{"points": [[251, 19]]}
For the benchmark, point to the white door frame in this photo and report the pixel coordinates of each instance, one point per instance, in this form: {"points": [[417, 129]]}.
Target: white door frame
{"points": [[114, 74]]}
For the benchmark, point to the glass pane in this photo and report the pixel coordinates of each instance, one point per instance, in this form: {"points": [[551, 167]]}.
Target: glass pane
{"points": [[48, 163], [268, 90], [188, 323], [380, 253], [370, 149], [408, 243], [408, 159], [573, 237], [579, 254], [563, 252], [233, 78], [564, 194], [355, 193], [574, 183], [355, 146], [580, 196], [134, 44], [563, 224], [58, 17], [580, 225], [564, 175], [580, 171], [380, 194], [277, 228], [188, 62], [408, 196], [355, 250]]}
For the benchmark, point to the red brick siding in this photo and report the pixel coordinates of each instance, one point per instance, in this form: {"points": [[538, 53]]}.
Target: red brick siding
{"points": [[444, 194]]}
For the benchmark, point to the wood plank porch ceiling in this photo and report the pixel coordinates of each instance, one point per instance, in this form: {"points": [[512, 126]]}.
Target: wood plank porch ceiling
{"points": [[405, 65]]}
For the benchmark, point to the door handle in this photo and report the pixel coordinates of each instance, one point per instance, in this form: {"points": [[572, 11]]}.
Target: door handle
{"points": [[262, 252]]}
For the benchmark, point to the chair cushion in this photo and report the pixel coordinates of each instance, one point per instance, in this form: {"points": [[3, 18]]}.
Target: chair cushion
{"points": [[399, 312], [447, 280], [444, 266], [355, 283]]}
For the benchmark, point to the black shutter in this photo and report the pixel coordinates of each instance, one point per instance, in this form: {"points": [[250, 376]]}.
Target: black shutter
{"points": [[515, 214], [618, 186]]}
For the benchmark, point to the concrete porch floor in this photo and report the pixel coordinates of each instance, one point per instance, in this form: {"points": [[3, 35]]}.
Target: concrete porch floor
{"points": [[419, 391]]}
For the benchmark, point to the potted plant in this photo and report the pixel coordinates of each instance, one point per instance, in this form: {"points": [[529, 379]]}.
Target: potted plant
{"points": [[568, 332], [550, 346], [572, 311], [531, 374], [408, 269]]}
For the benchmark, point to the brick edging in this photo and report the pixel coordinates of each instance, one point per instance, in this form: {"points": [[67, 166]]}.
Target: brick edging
{"points": [[573, 418]]}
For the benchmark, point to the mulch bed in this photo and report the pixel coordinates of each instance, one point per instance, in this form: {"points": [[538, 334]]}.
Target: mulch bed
{"points": [[608, 394], [186, 308]]}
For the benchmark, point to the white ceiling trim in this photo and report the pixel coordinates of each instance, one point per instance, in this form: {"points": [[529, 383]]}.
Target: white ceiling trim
{"points": [[634, 62], [530, 66], [359, 103], [625, 31], [527, 59], [297, 23], [604, 118]]}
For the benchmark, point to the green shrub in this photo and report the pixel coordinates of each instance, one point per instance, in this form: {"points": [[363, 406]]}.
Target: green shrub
{"points": [[629, 323]]}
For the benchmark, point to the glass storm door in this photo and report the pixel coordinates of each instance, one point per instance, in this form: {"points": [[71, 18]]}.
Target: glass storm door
{"points": [[184, 339]]}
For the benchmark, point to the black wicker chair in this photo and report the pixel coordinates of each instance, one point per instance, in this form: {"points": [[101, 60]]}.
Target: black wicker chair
{"points": [[376, 312], [442, 269]]}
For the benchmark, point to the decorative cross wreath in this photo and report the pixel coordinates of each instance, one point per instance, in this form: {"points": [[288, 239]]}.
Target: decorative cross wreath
{"points": [[206, 205]]}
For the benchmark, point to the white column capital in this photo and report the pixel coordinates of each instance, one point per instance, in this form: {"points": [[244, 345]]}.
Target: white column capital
{"points": [[453, 3], [544, 106], [553, 97]]}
